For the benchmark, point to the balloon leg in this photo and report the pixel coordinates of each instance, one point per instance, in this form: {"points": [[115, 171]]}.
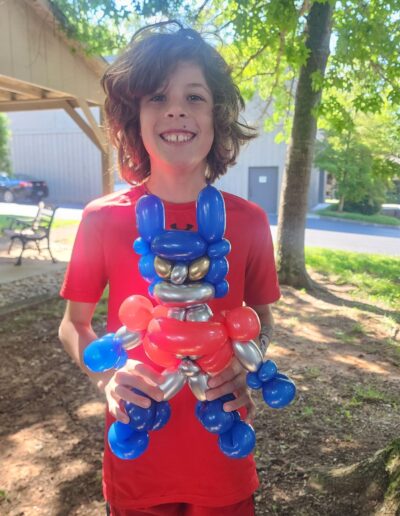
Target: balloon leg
{"points": [[278, 389], [236, 438]]}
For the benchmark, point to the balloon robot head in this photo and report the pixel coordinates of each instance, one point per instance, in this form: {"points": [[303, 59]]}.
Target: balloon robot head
{"points": [[183, 268]]}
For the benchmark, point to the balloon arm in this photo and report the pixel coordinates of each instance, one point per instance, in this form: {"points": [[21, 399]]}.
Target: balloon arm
{"points": [[248, 354]]}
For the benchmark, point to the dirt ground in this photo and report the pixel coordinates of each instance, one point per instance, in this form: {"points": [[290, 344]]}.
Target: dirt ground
{"points": [[344, 356]]}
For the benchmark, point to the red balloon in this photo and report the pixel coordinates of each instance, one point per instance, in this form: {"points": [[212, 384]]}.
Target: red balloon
{"points": [[187, 337], [159, 356], [135, 313], [243, 323], [217, 361], [160, 311]]}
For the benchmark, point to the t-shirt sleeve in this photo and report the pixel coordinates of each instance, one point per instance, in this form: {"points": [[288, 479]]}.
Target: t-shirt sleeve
{"points": [[86, 277], [261, 280]]}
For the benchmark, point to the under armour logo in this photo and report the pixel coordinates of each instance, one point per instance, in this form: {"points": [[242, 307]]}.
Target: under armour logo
{"points": [[187, 228]]}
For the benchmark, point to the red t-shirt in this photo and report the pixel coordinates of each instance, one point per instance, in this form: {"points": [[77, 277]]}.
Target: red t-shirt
{"points": [[183, 462]]}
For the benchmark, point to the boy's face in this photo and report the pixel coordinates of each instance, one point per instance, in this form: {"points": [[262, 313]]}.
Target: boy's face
{"points": [[176, 122]]}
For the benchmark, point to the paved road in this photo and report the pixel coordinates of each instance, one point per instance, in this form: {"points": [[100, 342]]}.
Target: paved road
{"points": [[349, 236], [320, 232]]}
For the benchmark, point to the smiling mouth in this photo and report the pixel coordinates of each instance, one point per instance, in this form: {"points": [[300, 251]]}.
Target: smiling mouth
{"points": [[177, 137]]}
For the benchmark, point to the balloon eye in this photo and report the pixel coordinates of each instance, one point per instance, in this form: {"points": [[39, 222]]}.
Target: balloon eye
{"points": [[199, 268], [163, 267]]}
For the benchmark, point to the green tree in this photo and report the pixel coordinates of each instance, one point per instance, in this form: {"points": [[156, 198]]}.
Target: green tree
{"points": [[5, 163], [279, 47]]}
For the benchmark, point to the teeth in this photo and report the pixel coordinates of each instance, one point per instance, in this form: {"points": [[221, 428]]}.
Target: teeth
{"points": [[174, 138]]}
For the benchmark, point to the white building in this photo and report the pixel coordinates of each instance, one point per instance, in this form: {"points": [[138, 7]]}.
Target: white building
{"points": [[49, 145]]}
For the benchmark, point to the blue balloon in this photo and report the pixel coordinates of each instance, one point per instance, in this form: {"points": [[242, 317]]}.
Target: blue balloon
{"points": [[140, 246], [146, 267], [153, 284], [221, 289], [211, 214], [278, 392], [213, 417], [239, 441], [253, 381], [163, 413], [179, 245], [217, 271], [219, 249], [150, 218], [267, 371], [131, 446], [102, 354], [140, 418]]}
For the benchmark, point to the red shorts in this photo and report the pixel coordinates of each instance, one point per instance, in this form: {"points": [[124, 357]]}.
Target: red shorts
{"points": [[243, 508]]}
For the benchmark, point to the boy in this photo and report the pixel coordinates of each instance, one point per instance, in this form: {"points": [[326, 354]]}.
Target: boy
{"points": [[172, 112]]}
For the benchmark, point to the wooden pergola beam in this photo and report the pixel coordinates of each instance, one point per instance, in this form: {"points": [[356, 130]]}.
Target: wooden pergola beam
{"points": [[15, 86], [86, 128]]}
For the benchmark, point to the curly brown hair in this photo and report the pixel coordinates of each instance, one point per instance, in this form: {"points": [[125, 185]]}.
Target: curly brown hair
{"points": [[142, 69]]}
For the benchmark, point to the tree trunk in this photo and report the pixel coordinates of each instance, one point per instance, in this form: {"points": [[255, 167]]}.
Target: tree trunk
{"points": [[293, 203], [341, 203], [374, 482]]}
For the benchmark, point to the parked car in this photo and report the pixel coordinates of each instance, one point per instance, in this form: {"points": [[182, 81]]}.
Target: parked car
{"points": [[13, 189], [39, 191]]}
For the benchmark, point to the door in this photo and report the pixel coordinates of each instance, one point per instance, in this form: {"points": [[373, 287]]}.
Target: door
{"points": [[263, 187]]}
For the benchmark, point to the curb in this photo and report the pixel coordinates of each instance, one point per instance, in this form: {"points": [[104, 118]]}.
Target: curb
{"points": [[361, 222]]}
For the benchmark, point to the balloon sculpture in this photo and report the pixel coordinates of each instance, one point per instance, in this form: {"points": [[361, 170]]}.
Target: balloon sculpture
{"points": [[186, 269]]}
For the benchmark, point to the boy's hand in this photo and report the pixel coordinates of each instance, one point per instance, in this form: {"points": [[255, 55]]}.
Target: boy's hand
{"points": [[136, 375], [232, 380]]}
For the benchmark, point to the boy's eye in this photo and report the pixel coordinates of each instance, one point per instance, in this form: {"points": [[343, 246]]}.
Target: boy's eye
{"points": [[195, 98], [157, 98]]}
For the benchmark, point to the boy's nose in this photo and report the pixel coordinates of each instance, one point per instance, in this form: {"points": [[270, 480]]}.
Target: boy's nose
{"points": [[175, 110]]}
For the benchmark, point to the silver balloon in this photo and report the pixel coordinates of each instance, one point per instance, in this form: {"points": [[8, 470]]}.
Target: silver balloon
{"points": [[183, 295], [173, 383], [188, 367], [200, 313], [129, 339], [177, 313], [198, 385], [179, 273], [248, 354]]}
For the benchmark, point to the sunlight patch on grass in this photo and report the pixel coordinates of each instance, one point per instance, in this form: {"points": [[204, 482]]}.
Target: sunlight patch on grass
{"points": [[375, 277]]}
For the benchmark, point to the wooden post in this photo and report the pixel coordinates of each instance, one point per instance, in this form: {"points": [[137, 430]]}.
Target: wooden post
{"points": [[107, 162]]}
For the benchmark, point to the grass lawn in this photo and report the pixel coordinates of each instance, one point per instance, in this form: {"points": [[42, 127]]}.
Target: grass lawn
{"points": [[5, 221], [374, 277], [331, 211]]}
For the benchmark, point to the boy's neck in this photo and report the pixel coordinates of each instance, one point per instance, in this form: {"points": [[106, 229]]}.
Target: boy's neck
{"points": [[176, 188]]}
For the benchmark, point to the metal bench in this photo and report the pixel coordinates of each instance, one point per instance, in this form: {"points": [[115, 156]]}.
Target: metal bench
{"points": [[32, 230]]}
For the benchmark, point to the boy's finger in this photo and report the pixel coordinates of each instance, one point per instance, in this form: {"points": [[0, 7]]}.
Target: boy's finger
{"points": [[149, 373], [226, 388], [121, 416], [226, 375], [239, 402]]}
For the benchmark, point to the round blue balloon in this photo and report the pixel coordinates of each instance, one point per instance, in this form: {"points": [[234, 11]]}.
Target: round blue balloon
{"points": [[253, 381], [102, 354], [150, 218], [239, 441], [146, 267], [140, 246], [162, 415], [211, 214], [177, 245], [267, 371], [213, 417], [219, 249], [217, 271], [140, 418], [278, 392], [221, 289], [131, 446]]}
